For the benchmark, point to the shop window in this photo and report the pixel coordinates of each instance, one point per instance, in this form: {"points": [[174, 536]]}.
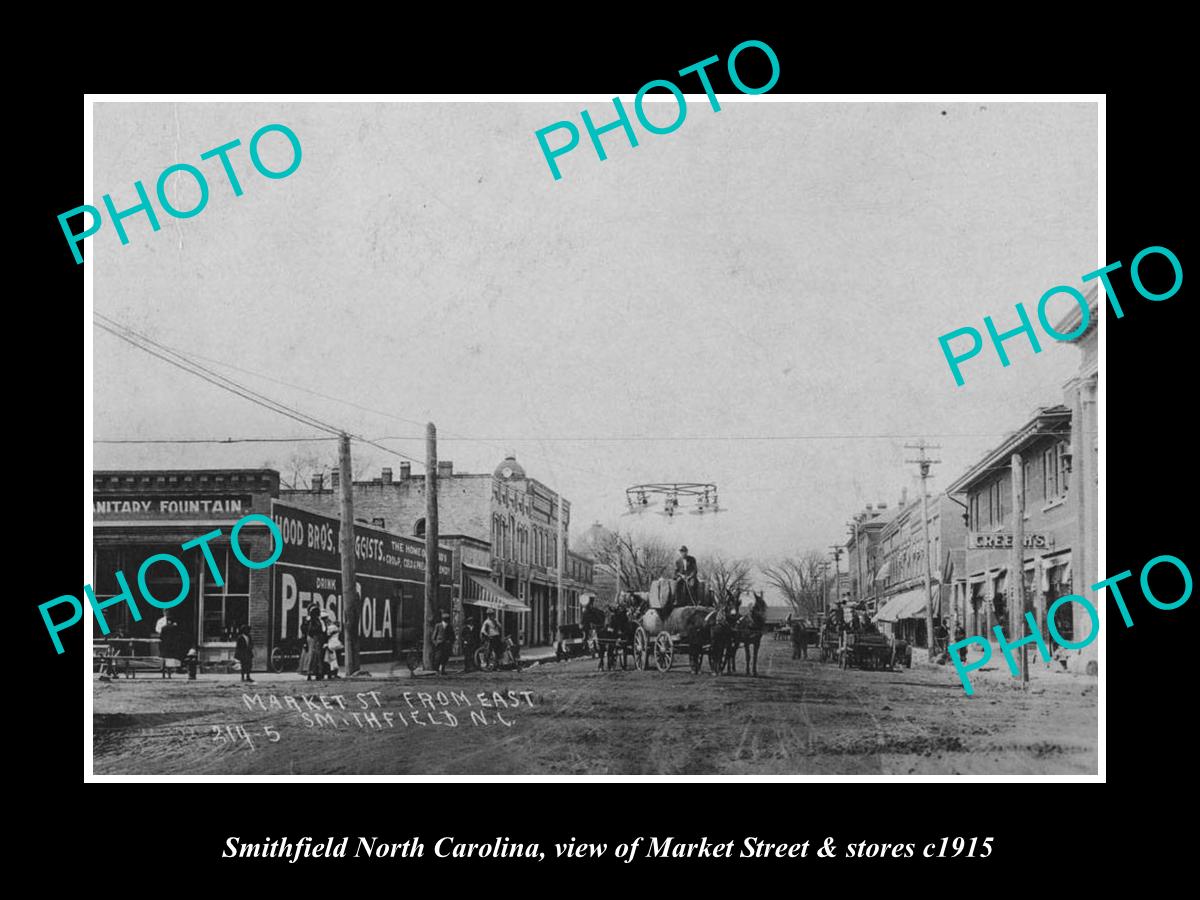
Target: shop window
{"points": [[224, 608]]}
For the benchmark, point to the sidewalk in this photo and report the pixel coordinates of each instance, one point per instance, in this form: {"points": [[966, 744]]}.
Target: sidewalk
{"points": [[378, 670]]}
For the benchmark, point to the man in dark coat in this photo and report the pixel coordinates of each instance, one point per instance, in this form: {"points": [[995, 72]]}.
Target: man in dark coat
{"points": [[686, 580], [443, 643], [470, 643]]}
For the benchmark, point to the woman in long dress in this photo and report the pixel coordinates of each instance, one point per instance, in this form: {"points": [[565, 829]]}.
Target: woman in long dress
{"points": [[315, 635]]}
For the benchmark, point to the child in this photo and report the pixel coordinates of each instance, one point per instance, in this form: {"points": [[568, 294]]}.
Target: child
{"points": [[244, 653], [331, 651]]}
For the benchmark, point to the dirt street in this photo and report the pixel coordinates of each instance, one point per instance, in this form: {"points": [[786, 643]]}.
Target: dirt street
{"points": [[797, 717]]}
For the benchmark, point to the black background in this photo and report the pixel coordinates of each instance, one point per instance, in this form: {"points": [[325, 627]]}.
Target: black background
{"points": [[1047, 836]]}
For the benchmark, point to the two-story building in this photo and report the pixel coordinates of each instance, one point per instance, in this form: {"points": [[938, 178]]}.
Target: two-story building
{"points": [[987, 584], [901, 576]]}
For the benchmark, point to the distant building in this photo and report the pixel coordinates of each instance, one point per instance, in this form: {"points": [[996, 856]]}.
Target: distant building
{"points": [[900, 579], [862, 552]]}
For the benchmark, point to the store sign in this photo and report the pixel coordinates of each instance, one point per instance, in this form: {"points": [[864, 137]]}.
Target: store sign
{"points": [[387, 568], [480, 558], [1004, 541], [158, 506]]}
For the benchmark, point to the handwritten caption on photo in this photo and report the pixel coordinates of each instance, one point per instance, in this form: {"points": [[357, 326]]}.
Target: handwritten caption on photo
{"points": [[437, 708], [1026, 327], [752, 847], [1035, 637]]}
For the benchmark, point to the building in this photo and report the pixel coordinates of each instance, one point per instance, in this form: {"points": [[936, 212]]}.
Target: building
{"points": [[604, 579], [1083, 454], [138, 514], [517, 516], [900, 578], [986, 584], [862, 552]]}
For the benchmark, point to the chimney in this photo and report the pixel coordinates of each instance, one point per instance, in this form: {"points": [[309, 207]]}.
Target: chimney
{"points": [[387, 476], [903, 497], [334, 479], [405, 471], [318, 481], [445, 469], [881, 506]]}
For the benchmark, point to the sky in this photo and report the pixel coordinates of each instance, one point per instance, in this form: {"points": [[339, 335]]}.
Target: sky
{"points": [[753, 300]]}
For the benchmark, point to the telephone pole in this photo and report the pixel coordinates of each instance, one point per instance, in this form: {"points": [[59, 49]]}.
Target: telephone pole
{"points": [[837, 549], [431, 543], [350, 599], [925, 462], [561, 556], [853, 527], [1016, 568], [824, 587]]}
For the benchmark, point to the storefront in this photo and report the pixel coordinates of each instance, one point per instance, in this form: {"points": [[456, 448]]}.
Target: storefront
{"points": [[138, 514]]}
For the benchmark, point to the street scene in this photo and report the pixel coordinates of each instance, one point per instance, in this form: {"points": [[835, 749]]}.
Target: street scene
{"points": [[655, 470], [798, 717]]}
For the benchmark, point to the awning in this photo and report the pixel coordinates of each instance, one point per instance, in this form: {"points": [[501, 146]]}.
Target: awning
{"points": [[906, 605], [492, 596]]}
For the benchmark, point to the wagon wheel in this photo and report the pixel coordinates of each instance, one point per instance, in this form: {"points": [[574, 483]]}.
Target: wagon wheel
{"points": [[277, 661], [664, 652], [641, 648]]}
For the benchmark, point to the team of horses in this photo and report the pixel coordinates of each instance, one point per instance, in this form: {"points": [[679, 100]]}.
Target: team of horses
{"points": [[722, 627]]}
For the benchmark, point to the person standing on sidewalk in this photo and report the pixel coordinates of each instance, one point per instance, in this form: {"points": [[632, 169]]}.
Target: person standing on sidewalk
{"points": [[244, 653], [314, 634], [443, 643], [470, 644]]}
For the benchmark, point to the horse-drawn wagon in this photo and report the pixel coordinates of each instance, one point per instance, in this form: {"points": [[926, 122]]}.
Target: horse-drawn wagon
{"points": [[663, 628], [872, 650]]}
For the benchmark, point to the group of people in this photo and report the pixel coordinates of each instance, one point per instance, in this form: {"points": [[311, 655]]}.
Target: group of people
{"points": [[174, 646], [489, 635], [322, 641]]}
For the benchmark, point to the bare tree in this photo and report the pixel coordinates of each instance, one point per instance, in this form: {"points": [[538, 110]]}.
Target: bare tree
{"points": [[800, 580], [726, 575], [635, 561]]}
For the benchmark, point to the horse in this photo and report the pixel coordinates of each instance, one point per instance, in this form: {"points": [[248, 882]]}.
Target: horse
{"points": [[614, 636], [723, 642], [750, 628], [591, 621]]}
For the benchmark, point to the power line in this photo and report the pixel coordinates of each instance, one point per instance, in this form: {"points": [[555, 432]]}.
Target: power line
{"points": [[268, 440], [718, 437], [181, 361]]}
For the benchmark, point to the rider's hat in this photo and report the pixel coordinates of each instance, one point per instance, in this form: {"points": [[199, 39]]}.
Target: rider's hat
{"points": [[683, 549]]}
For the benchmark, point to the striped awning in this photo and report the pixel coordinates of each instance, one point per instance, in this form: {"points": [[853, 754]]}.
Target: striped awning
{"points": [[492, 596]]}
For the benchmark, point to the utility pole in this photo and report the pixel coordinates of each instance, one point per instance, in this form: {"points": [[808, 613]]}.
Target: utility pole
{"points": [[561, 555], [431, 542], [350, 599], [837, 570], [925, 462], [1016, 568], [824, 587], [853, 531]]}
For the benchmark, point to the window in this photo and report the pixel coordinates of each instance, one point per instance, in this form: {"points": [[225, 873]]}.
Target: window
{"points": [[226, 608], [975, 520], [1054, 473], [419, 528]]}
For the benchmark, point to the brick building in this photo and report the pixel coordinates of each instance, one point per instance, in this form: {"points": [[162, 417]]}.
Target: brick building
{"points": [[900, 578], [516, 515], [862, 552], [138, 514], [986, 583]]}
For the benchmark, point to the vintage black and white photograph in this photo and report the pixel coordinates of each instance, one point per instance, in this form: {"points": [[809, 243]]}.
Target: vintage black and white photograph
{"points": [[480, 438]]}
